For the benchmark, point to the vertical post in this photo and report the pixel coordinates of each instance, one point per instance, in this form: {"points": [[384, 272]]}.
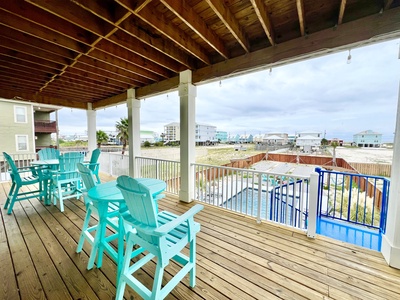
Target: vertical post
{"points": [[187, 94], [91, 126], [312, 208], [133, 105], [391, 239]]}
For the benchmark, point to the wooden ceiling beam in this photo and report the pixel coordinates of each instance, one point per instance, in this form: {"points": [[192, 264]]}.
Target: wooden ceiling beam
{"points": [[159, 23], [33, 51], [137, 47], [39, 98], [24, 65], [83, 75], [130, 27], [224, 14], [73, 13], [302, 18], [105, 74], [97, 62], [40, 18], [341, 11], [371, 29], [124, 39], [188, 16], [134, 5], [41, 33], [263, 16], [31, 41], [29, 58], [124, 62]]}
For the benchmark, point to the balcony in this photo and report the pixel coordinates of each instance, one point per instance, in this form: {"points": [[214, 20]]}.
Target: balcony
{"points": [[44, 126], [236, 258]]}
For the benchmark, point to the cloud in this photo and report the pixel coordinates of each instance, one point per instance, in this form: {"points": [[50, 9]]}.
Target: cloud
{"points": [[323, 94]]}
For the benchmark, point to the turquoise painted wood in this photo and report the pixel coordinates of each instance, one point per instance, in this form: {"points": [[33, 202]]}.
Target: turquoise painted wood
{"points": [[66, 181], [93, 164], [161, 235], [108, 214], [32, 175], [48, 153]]}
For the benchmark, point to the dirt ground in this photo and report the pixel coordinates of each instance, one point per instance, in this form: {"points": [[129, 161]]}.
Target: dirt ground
{"points": [[363, 155], [366, 155]]}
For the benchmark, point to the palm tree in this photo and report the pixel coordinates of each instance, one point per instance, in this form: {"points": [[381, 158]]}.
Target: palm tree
{"points": [[123, 134], [101, 137], [334, 144]]}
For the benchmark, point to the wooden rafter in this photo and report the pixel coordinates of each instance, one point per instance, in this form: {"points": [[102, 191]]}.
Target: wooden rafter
{"points": [[341, 11], [387, 5], [263, 17], [187, 15], [225, 15], [301, 14]]}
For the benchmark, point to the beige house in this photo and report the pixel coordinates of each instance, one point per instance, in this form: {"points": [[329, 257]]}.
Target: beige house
{"points": [[25, 127]]}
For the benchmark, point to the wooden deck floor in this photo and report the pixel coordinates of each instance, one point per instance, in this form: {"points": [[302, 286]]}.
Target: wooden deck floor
{"points": [[237, 259]]}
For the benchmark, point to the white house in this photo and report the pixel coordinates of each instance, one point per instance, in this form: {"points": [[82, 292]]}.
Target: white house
{"points": [[308, 142]]}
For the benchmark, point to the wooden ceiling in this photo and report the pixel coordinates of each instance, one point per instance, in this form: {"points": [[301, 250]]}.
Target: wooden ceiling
{"points": [[70, 53]]}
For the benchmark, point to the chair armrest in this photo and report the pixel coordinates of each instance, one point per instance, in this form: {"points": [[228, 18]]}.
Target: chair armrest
{"points": [[164, 229]]}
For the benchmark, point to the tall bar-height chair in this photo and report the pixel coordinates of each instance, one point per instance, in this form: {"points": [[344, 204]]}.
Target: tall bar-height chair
{"points": [[107, 215], [162, 235], [93, 164], [66, 181], [32, 176]]}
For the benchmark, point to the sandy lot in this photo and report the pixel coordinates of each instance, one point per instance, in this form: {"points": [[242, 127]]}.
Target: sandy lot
{"points": [[365, 155]]}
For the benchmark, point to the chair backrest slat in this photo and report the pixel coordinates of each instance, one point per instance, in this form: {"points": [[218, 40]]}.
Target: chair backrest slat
{"points": [[68, 163], [87, 176], [140, 204], [48, 153]]}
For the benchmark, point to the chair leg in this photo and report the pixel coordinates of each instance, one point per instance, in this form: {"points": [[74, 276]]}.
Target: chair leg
{"points": [[122, 280], [12, 200], [155, 294], [10, 195], [192, 260], [84, 228]]}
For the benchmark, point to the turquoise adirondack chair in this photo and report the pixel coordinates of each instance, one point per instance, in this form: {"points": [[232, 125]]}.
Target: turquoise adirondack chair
{"points": [[111, 216], [35, 177], [93, 164], [48, 153], [158, 234], [66, 181]]}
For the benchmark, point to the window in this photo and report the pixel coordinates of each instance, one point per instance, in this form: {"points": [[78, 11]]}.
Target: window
{"points": [[20, 114], [22, 142]]}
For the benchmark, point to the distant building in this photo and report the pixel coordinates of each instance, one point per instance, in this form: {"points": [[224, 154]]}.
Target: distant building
{"points": [[221, 136], [233, 139], [310, 133], [246, 138], [258, 138], [205, 134], [367, 138], [276, 138], [308, 143]]}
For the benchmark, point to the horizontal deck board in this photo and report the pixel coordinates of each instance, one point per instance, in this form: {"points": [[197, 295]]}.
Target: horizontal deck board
{"points": [[237, 258]]}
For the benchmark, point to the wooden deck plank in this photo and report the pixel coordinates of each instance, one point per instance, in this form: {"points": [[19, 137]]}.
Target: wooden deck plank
{"points": [[237, 259]]}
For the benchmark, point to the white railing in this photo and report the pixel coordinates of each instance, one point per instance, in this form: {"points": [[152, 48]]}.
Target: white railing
{"points": [[21, 160], [266, 196], [274, 197]]}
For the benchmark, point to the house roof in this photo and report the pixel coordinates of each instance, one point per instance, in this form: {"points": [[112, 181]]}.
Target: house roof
{"points": [[72, 53], [274, 137], [309, 137], [367, 132]]}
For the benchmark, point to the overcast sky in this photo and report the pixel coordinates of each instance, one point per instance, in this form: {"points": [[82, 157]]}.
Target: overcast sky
{"points": [[324, 94]]}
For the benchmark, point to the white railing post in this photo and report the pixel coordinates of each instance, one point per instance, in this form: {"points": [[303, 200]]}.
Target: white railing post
{"points": [[312, 207]]}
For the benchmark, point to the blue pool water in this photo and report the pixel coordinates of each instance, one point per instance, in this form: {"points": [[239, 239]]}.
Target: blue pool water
{"points": [[247, 202]]}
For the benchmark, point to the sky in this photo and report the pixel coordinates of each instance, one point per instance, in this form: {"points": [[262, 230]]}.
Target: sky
{"points": [[325, 94]]}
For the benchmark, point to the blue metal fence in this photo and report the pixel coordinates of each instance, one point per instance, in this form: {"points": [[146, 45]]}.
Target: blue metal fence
{"points": [[355, 198]]}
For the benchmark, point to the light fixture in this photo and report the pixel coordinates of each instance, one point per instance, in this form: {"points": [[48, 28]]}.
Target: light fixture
{"points": [[349, 57], [220, 83], [270, 71]]}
